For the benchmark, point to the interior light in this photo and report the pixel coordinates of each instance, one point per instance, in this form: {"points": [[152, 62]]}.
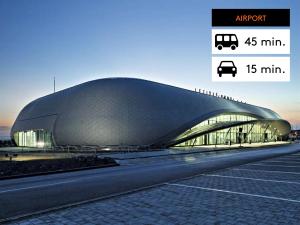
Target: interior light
{"points": [[40, 144]]}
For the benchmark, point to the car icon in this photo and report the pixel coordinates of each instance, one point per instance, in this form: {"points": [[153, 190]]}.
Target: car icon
{"points": [[226, 41], [227, 67]]}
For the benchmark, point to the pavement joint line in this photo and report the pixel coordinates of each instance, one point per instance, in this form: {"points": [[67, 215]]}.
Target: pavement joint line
{"points": [[83, 178], [250, 178], [268, 171], [290, 160], [75, 204], [291, 157], [261, 164], [233, 149], [37, 186], [233, 192], [95, 199], [75, 180], [279, 161]]}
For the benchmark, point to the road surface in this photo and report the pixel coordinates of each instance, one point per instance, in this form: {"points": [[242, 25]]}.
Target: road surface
{"points": [[25, 196]]}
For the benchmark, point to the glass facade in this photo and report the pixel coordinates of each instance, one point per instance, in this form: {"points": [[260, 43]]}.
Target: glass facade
{"points": [[252, 132], [33, 138]]}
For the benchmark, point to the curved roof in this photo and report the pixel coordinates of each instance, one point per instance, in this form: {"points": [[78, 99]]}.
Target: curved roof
{"points": [[127, 111]]}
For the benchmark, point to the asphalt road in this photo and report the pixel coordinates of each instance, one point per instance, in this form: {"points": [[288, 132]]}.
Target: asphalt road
{"points": [[20, 197]]}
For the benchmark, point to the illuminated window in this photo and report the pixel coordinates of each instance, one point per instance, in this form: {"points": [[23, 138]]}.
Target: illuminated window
{"points": [[234, 134], [33, 138]]}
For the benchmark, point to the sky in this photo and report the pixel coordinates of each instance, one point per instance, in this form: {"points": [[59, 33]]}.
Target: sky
{"points": [[167, 41]]}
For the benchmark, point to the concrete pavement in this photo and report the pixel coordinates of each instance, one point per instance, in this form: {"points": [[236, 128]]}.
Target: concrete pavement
{"points": [[248, 194], [24, 196]]}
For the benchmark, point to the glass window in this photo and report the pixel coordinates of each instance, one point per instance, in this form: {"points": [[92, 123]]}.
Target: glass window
{"points": [[244, 133], [33, 138]]}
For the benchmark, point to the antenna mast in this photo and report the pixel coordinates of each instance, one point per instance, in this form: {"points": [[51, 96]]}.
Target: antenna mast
{"points": [[54, 84]]}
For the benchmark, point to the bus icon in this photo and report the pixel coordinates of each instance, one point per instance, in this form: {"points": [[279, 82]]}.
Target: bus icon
{"points": [[226, 41]]}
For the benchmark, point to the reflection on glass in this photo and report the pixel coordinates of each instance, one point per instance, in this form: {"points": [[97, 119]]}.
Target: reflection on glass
{"points": [[247, 133], [33, 138]]}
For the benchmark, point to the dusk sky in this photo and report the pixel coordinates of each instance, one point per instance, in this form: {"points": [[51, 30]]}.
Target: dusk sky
{"points": [[167, 41]]}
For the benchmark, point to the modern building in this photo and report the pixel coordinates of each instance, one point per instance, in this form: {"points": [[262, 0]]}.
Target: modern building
{"points": [[124, 112]]}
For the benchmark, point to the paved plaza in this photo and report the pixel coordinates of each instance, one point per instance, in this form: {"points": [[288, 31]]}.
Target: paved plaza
{"points": [[263, 192]]}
